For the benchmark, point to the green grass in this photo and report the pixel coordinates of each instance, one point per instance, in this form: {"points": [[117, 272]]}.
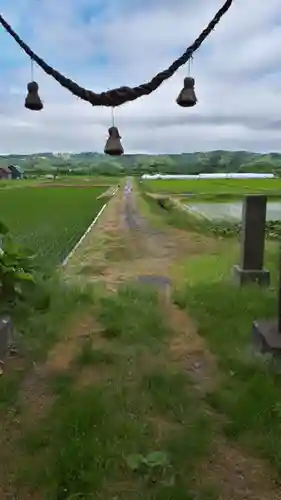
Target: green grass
{"points": [[215, 186], [90, 433], [139, 400], [38, 321], [10, 184], [92, 180], [83, 445], [89, 355], [118, 315], [249, 394], [49, 221]]}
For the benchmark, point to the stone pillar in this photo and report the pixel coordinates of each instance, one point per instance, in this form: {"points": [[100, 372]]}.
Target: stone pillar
{"points": [[253, 242]]}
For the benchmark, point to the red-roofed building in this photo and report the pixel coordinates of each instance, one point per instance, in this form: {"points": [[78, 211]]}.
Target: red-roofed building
{"points": [[5, 173]]}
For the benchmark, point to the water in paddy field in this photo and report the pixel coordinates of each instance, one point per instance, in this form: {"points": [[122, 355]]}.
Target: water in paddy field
{"points": [[231, 210]]}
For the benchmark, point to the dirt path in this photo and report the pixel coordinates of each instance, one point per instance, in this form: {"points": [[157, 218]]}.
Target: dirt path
{"points": [[126, 245], [137, 249]]}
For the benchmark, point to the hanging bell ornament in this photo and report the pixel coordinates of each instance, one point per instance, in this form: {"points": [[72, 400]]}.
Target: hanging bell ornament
{"points": [[187, 97], [113, 145], [33, 100]]}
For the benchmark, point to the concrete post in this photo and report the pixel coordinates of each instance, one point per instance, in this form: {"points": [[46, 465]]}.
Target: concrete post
{"points": [[253, 242]]}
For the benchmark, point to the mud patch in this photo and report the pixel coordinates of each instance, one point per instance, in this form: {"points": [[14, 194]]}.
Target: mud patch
{"points": [[163, 428], [188, 349], [239, 477], [61, 356], [92, 375], [35, 396]]}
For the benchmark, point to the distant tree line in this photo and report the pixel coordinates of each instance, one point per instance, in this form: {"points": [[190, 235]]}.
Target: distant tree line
{"points": [[187, 163]]}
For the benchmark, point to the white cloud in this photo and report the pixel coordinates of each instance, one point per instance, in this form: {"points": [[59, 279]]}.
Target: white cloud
{"points": [[237, 71]]}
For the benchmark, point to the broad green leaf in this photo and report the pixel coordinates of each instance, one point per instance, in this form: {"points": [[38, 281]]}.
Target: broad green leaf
{"points": [[21, 275], [157, 459], [135, 461]]}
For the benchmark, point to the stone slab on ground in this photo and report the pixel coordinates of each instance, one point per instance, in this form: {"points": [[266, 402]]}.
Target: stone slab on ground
{"points": [[158, 281], [161, 283], [267, 337]]}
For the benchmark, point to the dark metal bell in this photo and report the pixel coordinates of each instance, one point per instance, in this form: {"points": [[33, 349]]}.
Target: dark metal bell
{"points": [[113, 145], [187, 97], [33, 100]]}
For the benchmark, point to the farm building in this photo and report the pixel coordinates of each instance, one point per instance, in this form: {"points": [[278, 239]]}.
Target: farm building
{"points": [[210, 176], [5, 173], [16, 171]]}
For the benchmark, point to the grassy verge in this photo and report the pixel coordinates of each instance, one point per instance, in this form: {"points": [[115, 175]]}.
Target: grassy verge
{"points": [[177, 216], [249, 394]]}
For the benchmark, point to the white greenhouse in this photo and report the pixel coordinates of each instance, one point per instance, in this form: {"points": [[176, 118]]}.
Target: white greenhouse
{"points": [[210, 176]]}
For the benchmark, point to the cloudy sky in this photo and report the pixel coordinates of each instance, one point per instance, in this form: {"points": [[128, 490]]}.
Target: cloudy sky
{"points": [[103, 44]]}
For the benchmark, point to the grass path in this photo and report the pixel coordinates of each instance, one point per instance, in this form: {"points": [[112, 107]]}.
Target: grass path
{"points": [[122, 404]]}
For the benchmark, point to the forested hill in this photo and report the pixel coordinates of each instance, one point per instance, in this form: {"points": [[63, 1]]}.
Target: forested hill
{"points": [[213, 161]]}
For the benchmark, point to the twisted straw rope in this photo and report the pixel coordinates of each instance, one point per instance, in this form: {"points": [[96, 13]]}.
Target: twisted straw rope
{"points": [[118, 96]]}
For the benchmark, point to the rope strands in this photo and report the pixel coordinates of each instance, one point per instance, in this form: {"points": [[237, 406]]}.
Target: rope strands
{"points": [[121, 95], [118, 96]]}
